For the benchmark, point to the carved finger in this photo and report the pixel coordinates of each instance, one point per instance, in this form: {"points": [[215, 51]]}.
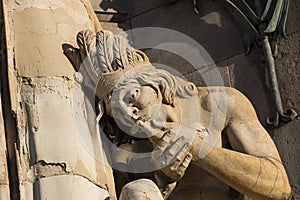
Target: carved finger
{"points": [[182, 168], [187, 160], [174, 149], [182, 157], [165, 141]]}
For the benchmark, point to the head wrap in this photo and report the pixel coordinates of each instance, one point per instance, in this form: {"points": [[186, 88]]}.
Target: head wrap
{"points": [[103, 58]]}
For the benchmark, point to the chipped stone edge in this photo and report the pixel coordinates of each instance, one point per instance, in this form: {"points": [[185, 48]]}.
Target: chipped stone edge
{"points": [[12, 72]]}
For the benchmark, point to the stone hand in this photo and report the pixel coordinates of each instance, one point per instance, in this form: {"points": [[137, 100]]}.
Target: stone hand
{"points": [[175, 156], [171, 153]]}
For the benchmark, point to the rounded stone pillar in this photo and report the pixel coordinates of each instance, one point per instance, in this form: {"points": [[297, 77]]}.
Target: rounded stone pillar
{"points": [[58, 152]]}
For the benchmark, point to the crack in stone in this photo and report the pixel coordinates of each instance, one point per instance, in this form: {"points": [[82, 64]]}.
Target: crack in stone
{"points": [[44, 169]]}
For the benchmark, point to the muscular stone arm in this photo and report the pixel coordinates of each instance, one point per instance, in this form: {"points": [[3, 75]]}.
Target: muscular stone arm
{"points": [[258, 178], [254, 167]]}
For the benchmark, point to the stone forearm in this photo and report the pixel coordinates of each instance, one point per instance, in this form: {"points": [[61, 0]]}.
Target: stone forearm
{"points": [[258, 178]]}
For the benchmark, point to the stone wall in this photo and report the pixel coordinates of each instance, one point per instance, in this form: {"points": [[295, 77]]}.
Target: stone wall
{"points": [[215, 29], [53, 151]]}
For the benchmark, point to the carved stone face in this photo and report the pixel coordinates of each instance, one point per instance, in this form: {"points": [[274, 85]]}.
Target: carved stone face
{"points": [[137, 99], [137, 102], [143, 102], [141, 97], [148, 95]]}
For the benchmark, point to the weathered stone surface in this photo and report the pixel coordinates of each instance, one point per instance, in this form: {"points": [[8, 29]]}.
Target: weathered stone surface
{"points": [[214, 75], [58, 141], [27, 191], [287, 137], [56, 115], [136, 190], [287, 140], [4, 192], [169, 61], [288, 71], [248, 74], [214, 28], [105, 6], [139, 7], [69, 187], [120, 10], [293, 19], [116, 27], [39, 40]]}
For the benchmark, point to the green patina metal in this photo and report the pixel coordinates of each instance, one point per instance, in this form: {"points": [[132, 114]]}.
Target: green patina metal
{"points": [[261, 23]]}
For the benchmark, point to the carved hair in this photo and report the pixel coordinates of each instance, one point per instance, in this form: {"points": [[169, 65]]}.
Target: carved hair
{"points": [[169, 86]]}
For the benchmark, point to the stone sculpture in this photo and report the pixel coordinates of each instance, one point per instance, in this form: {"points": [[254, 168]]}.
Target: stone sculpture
{"points": [[45, 114], [105, 73], [215, 126]]}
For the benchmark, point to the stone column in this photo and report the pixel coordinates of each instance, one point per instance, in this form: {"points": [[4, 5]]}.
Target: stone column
{"points": [[57, 148], [4, 183]]}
